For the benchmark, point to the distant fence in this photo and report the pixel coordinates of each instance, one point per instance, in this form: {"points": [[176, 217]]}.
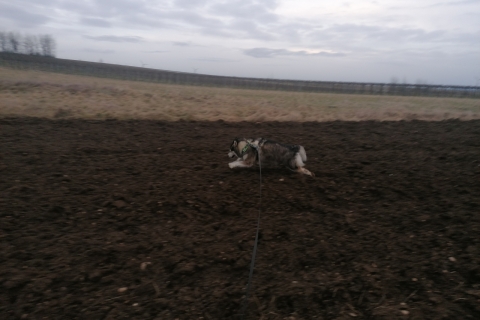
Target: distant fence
{"points": [[105, 70]]}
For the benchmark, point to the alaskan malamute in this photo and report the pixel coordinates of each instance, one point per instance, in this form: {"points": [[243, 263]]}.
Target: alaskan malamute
{"points": [[271, 154]]}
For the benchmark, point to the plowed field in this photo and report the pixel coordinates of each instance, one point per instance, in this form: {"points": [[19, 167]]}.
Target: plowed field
{"points": [[144, 220]]}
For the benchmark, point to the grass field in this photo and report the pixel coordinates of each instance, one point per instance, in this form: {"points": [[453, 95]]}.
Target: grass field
{"points": [[50, 95]]}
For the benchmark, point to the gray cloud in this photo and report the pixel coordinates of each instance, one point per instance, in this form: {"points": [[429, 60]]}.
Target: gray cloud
{"points": [[250, 29], [182, 44], [247, 9], [193, 18], [372, 39], [99, 51], [191, 3], [271, 53], [240, 19], [95, 22], [216, 60], [217, 32], [172, 19], [141, 20], [186, 44], [105, 9], [378, 33], [294, 31], [111, 38], [22, 17], [232, 19], [156, 51], [454, 3], [397, 35]]}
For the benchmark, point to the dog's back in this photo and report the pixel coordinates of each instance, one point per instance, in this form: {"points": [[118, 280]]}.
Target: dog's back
{"points": [[275, 153]]}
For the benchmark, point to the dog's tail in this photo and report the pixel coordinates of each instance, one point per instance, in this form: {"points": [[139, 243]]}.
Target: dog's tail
{"points": [[302, 153]]}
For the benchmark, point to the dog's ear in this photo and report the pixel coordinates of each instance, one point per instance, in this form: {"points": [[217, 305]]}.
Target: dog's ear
{"points": [[235, 142]]}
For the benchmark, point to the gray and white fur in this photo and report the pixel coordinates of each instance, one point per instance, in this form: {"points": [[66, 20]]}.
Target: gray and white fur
{"points": [[271, 154]]}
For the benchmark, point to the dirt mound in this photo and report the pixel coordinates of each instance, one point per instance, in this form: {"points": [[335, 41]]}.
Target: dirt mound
{"points": [[144, 220]]}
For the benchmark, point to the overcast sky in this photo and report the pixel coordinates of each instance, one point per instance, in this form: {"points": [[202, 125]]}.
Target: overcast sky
{"points": [[414, 41]]}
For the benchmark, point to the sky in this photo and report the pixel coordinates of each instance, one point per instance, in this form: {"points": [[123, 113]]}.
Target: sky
{"points": [[404, 41]]}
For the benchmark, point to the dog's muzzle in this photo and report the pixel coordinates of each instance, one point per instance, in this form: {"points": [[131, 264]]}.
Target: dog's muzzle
{"points": [[231, 154]]}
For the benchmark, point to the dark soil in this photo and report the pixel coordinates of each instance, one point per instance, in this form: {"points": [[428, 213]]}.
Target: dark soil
{"points": [[389, 228]]}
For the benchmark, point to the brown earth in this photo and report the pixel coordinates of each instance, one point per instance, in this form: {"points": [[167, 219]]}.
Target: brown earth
{"points": [[144, 220]]}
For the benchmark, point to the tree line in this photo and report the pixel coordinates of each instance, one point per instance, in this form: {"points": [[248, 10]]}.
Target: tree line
{"points": [[40, 45]]}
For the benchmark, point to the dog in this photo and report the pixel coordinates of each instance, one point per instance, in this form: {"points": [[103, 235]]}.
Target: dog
{"points": [[271, 153]]}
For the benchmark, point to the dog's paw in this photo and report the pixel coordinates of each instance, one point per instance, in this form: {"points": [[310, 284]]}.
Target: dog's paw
{"points": [[231, 165], [306, 172]]}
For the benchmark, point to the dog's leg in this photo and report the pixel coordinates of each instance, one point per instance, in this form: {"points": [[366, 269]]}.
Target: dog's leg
{"points": [[305, 171], [298, 162], [238, 164]]}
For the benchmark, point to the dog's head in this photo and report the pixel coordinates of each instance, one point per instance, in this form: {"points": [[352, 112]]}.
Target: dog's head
{"points": [[234, 151]]}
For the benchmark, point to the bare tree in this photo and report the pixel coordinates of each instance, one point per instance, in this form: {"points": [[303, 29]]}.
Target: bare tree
{"points": [[14, 40], [47, 45], [4, 41], [36, 45], [28, 45]]}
